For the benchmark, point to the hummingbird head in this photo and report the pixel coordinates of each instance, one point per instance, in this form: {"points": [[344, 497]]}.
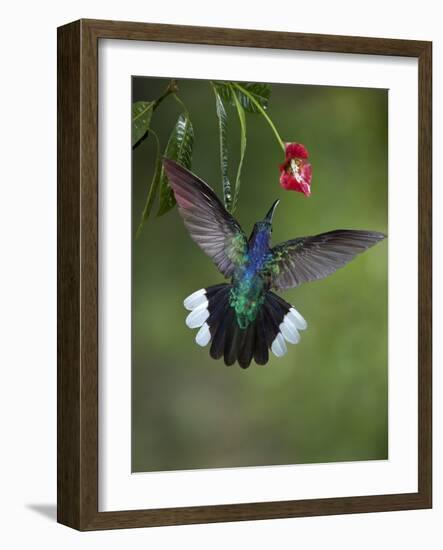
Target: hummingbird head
{"points": [[264, 226]]}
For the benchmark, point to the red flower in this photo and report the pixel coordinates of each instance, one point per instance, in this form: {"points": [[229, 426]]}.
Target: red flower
{"points": [[295, 172]]}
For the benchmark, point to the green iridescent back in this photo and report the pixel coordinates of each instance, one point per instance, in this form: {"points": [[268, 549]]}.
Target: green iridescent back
{"points": [[247, 297]]}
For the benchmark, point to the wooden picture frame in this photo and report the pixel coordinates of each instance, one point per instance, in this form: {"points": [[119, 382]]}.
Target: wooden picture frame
{"points": [[78, 274]]}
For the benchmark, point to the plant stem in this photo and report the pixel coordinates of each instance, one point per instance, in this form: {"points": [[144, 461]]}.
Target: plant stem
{"points": [[171, 88], [152, 189], [263, 112], [242, 121], [180, 102]]}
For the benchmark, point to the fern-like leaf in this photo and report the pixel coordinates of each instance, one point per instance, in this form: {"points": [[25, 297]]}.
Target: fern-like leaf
{"points": [[179, 148]]}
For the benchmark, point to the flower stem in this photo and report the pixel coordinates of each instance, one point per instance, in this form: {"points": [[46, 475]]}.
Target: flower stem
{"points": [[262, 112]]}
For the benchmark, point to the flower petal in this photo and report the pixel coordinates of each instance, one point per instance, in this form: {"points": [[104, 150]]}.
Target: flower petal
{"points": [[287, 181], [296, 150]]}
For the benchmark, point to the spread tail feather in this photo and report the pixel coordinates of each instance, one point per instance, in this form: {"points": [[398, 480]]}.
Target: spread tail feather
{"points": [[277, 322]]}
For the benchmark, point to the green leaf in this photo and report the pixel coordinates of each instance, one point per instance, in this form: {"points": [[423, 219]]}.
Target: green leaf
{"points": [[242, 120], [246, 93], [141, 119], [260, 92], [224, 90], [178, 148], [153, 188], [222, 130]]}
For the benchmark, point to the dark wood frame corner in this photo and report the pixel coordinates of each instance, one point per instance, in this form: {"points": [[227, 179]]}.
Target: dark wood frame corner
{"points": [[77, 455]]}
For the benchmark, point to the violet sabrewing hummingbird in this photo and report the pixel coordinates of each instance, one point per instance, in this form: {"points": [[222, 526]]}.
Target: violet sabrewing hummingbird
{"points": [[244, 318]]}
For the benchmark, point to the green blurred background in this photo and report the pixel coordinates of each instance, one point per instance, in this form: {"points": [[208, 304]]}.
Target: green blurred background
{"points": [[327, 399]]}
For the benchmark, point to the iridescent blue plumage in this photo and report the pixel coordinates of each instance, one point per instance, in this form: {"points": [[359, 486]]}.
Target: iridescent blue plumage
{"points": [[248, 284]]}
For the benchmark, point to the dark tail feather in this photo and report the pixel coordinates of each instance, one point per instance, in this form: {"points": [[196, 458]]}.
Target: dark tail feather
{"points": [[234, 338], [217, 313], [270, 324], [261, 355], [277, 322], [218, 340], [246, 350]]}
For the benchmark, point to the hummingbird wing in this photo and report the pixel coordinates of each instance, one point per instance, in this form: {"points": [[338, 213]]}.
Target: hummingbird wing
{"points": [[210, 225], [310, 258]]}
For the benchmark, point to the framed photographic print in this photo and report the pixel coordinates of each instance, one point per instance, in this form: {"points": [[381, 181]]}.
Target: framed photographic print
{"points": [[244, 275]]}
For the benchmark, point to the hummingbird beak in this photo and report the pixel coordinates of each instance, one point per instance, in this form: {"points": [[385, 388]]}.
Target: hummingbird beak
{"points": [[270, 214]]}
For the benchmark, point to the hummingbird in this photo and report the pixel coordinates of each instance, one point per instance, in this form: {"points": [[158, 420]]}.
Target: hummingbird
{"points": [[243, 319]]}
